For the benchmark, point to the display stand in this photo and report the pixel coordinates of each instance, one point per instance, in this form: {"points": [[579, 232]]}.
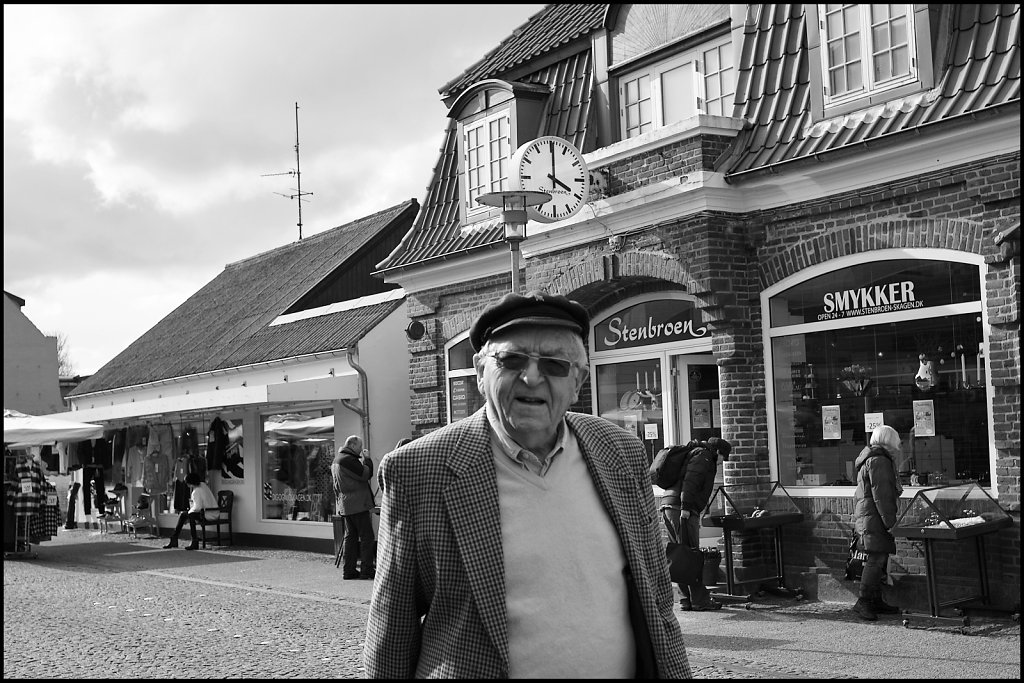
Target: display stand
{"points": [[951, 513], [743, 508]]}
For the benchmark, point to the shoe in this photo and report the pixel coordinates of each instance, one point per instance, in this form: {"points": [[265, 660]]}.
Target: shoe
{"points": [[173, 543], [711, 606], [685, 605], [349, 577], [368, 577], [882, 607], [194, 545], [865, 610]]}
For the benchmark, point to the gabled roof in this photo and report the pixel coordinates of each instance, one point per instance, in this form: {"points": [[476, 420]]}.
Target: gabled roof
{"points": [[226, 324], [437, 231], [979, 71], [553, 26]]}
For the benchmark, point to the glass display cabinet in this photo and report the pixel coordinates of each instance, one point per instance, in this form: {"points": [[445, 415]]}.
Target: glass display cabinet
{"points": [[753, 508], [951, 513]]}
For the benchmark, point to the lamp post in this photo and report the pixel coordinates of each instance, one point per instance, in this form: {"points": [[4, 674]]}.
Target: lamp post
{"points": [[513, 205]]}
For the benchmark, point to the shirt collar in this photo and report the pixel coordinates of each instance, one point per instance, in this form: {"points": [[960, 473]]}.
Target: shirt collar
{"points": [[523, 456]]}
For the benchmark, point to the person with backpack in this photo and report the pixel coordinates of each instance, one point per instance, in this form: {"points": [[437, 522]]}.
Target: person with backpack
{"points": [[681, 508], [874, 516]]}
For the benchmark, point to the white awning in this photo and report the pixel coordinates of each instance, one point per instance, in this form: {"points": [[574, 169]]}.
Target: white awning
{"points": [[322, 389]]}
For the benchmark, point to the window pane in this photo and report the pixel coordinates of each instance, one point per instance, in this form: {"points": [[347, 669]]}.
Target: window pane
{"points": [[711, 61], [678, 95], [901, 61], [297, 454], [876, 372]]}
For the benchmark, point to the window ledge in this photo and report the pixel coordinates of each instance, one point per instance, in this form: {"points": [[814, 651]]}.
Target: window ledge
{"points": [[702, 124]]}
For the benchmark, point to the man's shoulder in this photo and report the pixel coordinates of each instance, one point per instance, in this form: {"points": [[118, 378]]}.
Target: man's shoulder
{"points": [[592, 425]]}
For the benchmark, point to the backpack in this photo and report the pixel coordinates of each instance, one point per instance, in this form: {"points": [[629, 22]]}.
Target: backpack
{"points": [[670, 463]]}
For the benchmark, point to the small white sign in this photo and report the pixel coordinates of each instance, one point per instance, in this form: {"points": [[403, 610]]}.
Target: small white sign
{"points": [[831, 425], [871, 422], [651, 431]]}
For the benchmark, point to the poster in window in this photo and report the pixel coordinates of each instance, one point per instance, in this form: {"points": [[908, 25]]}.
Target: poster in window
{"points": [[831, 426], [716, 412], [651, 431], [872, 421], [629, 421], [924, 418], [700, 413]]}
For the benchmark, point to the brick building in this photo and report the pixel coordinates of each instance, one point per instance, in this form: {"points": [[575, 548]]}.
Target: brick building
{"points": [[796, 229]]}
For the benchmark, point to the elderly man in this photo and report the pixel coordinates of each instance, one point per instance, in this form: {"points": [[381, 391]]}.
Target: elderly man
{"points": [[522, 541], [351, 471]]}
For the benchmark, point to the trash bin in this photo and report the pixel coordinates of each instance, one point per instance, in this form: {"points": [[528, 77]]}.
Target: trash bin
{"points": [[712, 563]]}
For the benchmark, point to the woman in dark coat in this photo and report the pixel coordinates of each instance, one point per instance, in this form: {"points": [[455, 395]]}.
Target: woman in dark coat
{"points": [[874, 514]]}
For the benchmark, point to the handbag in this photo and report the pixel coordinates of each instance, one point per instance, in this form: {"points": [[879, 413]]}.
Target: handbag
{"points": [[685, 564], [855, 561]]}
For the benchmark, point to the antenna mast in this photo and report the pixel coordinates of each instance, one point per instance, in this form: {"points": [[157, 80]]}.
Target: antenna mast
{"points": [[299, 194]]}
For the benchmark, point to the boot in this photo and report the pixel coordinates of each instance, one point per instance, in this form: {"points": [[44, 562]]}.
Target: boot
{"points": [[882, 607], [194, 545], [865, 609], [173, 543]]}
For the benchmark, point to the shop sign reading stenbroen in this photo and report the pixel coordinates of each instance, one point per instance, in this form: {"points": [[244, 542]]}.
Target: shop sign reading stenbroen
{"points": [[651, 322]]}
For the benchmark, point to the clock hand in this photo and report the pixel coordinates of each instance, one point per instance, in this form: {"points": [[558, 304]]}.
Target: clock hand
{"points": [[552, 174], [556, 180]]}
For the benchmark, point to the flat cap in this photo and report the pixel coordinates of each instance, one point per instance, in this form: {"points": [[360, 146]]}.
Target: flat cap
{"points": [[532, 308]]}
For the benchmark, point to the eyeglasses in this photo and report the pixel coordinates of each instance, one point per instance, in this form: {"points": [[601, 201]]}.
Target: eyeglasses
{"points": [[517, 362]]}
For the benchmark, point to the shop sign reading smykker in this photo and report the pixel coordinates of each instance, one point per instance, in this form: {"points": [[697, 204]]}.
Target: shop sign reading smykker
{"points": [[895, 296], [650, 322]]}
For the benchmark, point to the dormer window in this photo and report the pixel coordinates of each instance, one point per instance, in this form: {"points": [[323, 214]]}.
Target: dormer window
{"points": [[486, 153], [701, 80], [493, 117], [866, 49]]}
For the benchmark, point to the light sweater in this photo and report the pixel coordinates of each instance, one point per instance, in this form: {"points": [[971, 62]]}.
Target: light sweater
{"points": [[566, 598]]}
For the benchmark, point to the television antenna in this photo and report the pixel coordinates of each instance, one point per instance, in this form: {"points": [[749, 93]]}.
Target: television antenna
{"points": [[298, 194]]}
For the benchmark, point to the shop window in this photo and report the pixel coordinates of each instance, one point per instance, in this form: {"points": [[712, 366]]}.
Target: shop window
{"points": [[463, 397], [298, 449], [698, 81], [897, 342]]}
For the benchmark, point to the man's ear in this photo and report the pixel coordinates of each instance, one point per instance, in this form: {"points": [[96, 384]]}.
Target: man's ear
{"points": [[581, 377]]}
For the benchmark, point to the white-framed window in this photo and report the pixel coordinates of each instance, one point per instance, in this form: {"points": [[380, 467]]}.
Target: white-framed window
{"points": [[486, 150], [699, 81], [853, 343], [463, 397], [866, 49]]}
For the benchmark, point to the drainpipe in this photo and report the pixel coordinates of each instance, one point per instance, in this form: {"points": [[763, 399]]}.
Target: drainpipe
{"points": [[364, 392]]}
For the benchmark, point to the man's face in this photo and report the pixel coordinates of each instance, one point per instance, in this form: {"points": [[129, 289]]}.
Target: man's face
{"points": [[528, 402]]}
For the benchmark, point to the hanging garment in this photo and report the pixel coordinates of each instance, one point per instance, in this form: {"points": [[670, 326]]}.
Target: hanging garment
{"points": [[24, 492], [216, 443], [118, 445], [156, 472], [162, 435], [182, 496], [197, 465]]}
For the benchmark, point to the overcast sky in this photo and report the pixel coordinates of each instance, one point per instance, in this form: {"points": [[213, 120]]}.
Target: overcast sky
{"points": [[136, 138]]}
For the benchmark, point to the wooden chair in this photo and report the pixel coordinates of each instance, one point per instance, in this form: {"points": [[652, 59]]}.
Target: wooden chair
{"points": [[218, 518]]}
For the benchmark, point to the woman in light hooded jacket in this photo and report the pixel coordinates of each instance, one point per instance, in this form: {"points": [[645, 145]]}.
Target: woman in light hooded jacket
{"points": [[874, 513]]}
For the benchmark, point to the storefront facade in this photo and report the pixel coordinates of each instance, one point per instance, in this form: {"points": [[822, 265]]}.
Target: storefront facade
{"points": [[783, 283], [287, 354]]}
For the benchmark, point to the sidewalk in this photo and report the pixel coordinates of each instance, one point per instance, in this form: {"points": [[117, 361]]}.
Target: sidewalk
{"points": [[775, 638]]}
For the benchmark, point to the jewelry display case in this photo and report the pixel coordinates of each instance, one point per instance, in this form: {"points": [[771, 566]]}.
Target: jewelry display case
{"points": [[951, 513], [739, 507], [753, 508]]}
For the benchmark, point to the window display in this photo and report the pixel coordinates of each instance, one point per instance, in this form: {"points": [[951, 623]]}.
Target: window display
{"points": [[297, 454], [629, 394], [922, 373]]}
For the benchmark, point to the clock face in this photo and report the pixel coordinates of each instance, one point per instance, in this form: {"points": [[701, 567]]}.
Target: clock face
{"points": [[553, 165]]}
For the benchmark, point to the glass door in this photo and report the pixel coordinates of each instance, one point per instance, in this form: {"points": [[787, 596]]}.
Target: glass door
{"points": [[696, 393], [630, 393]]}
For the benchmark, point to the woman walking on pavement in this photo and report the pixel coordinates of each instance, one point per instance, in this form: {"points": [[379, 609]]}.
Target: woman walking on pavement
{"points": [[874, 513]]}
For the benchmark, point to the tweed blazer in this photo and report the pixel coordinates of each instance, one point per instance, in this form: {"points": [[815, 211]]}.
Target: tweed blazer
{"points": [[438, 605]]}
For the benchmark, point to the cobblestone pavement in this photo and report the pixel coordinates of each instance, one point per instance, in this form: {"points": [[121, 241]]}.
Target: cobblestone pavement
{"points": [[105, 606]]}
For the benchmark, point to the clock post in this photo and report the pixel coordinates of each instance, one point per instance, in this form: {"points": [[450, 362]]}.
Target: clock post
{"points": [[513, 205]]}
